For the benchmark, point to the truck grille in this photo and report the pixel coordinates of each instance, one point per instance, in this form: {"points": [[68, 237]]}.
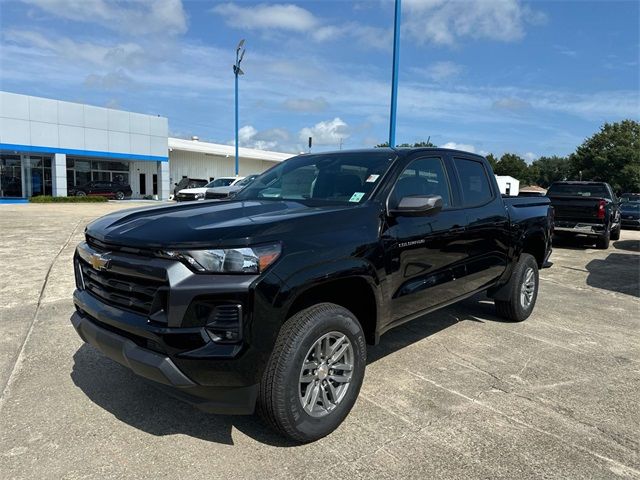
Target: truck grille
{"points": [[141, 295]]}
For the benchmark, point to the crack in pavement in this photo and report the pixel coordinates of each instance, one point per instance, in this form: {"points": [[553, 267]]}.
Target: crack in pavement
{"points": [[6, 388]]}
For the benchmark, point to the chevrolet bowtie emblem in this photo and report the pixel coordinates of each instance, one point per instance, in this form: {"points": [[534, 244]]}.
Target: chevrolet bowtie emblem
{"points": [[99, 262]]}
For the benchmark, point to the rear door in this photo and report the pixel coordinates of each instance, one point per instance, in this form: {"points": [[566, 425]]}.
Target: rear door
{"points": [[424, 254], [487, 233]]}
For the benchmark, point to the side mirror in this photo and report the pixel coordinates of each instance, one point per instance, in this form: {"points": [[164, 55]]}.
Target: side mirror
{"points": [[417, 205]]}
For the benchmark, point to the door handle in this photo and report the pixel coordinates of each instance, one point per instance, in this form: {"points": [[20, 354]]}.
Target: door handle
{"points": [[456, 229]]}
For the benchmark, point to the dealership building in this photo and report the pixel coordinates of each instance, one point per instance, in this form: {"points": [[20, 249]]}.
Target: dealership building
{"points": [[49, 146]]}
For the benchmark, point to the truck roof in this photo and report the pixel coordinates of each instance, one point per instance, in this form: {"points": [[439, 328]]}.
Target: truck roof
{"points": [[401, 151]]}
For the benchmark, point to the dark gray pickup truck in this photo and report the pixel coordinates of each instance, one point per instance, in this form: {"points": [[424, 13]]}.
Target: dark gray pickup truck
{"points": [[586, 208]]}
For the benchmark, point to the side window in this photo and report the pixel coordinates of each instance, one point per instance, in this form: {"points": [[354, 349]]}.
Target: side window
{"points": [[423, 176], [476, 188]]}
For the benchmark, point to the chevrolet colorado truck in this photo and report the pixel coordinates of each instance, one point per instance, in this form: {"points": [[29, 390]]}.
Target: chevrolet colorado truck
{"points": [[269, 299], [586, 208]]}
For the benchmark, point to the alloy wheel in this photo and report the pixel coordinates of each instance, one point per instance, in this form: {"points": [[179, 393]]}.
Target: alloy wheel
{"points": [[528, 288], [325, 375]]}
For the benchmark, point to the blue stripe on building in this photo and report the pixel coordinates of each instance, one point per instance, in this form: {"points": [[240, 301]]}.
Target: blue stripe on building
{"points": [[83, 153]]}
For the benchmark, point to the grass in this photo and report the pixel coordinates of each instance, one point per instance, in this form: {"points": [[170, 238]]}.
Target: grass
{"points": [[50, 199]]}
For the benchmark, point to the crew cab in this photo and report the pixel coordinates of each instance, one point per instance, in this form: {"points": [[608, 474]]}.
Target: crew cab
{"points": [[586, 208], [270, 298], [198, 193]]}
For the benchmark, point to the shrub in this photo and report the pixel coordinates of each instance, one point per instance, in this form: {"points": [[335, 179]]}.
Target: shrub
{"points": [[50, 199]]}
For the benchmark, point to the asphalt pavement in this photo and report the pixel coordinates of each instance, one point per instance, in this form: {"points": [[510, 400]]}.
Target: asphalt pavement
{"points": [[455, 394]]}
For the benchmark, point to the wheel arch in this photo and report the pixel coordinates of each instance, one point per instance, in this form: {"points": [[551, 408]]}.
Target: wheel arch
{"points": [[355, 293]]}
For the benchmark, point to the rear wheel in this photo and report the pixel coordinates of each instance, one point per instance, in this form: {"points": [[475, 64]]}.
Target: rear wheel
{"points": [[314, 374], [603, 241], [522, 290], [615, 233], [80, 193], [119, 195]]}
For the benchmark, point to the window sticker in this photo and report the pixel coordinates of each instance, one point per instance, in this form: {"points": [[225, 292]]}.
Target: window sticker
{"points": [[372, 178], [356, 197]]}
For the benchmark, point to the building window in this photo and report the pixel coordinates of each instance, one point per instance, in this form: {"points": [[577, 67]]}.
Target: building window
{"points": [[81, 171], [10, 176]]}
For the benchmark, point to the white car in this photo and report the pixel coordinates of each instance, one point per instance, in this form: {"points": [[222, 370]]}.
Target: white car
{"points": [[190, 194]]}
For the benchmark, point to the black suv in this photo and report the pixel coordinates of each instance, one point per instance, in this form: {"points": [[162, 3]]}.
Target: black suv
{"points": [[271, 297], [119, 191]]}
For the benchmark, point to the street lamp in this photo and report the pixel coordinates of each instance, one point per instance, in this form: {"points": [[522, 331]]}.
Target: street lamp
{"points": [[394, 76], [236, 72]]}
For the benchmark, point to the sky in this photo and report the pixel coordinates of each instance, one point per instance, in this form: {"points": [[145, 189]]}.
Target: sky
{"points": [[533, 78]]}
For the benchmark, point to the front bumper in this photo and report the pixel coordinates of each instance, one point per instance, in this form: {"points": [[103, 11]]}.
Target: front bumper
{"points": [[162, 370], [171, 344], [631, 222]]}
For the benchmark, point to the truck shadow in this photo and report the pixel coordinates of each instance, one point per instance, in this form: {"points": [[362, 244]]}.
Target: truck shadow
{"points": [[139, 404], [619, 272], [630, 245]]}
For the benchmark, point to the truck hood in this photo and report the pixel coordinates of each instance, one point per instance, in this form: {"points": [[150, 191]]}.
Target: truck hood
{"points": [[229, 223]]}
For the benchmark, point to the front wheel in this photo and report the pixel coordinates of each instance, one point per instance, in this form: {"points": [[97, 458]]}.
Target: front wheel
{"points": [[314, 374], [80, 193], [119, 195], [522, 290]]}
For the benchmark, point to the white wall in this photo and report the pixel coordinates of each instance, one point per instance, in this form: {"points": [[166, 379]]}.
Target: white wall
{"points": [[205, 166], [505, 181], [43, 122]]}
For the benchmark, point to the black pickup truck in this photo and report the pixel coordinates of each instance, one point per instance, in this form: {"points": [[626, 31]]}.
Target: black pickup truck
{"points": [[271, 297], [586, 208]]}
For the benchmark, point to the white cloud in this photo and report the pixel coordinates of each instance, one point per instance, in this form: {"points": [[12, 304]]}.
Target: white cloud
{"points": [[530, 156], [460, 146], [441, 71], [280, 17], [166, 17], [272, 139], [511, 104], [103, 55], [306, 105], [329, 132], [264, 16], [444, 21]]}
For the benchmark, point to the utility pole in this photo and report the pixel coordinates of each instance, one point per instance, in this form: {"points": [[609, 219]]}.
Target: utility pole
{"points": [[394, 77], [237, 71]]}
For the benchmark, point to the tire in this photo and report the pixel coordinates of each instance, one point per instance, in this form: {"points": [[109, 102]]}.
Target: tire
{"points": [[283, 390], [603, 242], [615, 233], [80, 193], [522, 290], [119, 195]]}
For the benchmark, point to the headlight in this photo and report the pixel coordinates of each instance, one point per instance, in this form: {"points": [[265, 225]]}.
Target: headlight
{"points": [[199, 195], [228, 260]]}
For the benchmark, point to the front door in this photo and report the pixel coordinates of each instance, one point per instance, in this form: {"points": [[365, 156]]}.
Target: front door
{"points": [[424, 254]]}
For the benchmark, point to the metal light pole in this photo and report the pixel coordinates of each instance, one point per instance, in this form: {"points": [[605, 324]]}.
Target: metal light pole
{"points": [[237, 71], [394, 77]]}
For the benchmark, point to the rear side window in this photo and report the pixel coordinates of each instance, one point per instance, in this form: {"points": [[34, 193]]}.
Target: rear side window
{"points": [[476, 189]]}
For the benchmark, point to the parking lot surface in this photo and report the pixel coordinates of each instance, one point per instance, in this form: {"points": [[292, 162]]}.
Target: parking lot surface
{"points": [[455, 394]]}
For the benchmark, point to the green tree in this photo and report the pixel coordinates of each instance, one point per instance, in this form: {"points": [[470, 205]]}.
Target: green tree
{"points": [[493, 161], [546, 170], [514, 166], [417, 144], [611, 155]]}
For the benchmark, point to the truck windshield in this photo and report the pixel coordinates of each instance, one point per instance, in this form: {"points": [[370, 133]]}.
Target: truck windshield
{"points": [[578, 190], [322, 178]]}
